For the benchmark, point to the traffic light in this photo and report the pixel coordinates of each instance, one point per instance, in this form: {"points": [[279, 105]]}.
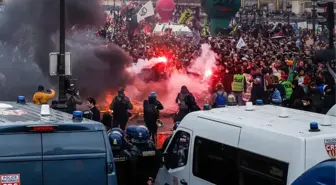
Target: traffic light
{"points": [[329, 19]]}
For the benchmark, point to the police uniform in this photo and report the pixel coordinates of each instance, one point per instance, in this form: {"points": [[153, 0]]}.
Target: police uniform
{"points": [[125, 157], [149, 160]]}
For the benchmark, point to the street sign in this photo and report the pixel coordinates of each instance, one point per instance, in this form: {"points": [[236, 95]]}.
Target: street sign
{"points": [[53, 61]]}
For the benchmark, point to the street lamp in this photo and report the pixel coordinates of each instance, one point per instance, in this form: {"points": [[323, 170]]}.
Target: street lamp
{"points": [[289, 11], [61, 59], [240, 15], [308, 17], [254, 15], [314, 17], [246, 15]]}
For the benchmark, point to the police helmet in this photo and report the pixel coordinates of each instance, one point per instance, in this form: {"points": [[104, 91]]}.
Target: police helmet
{"points": [[142, 134], [176, 124], [153, 95], [116, 140], [116, 129], [143, 127], [131, 130]]}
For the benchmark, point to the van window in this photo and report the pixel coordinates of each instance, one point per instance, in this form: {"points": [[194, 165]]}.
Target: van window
{"points": [[16, 145], [179, 149], [257, 169], [64, 143], [215, 162]]}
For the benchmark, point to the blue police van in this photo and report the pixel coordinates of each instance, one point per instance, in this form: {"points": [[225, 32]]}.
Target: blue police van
{"points": [[52, 148]]}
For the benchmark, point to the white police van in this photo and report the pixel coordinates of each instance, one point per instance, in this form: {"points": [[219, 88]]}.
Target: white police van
{"points": [[263, 145]]}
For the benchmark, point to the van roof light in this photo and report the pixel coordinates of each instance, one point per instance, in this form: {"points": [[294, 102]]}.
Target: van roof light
{"points": [[249, 106], [283, 113], [77, 115], [314, 127], [259, 102], [21, 99], [327, 120], [45, 110]]}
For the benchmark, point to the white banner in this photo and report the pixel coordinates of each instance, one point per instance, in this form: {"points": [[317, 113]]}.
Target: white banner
{"points": [[240, 43], [146, 10]]}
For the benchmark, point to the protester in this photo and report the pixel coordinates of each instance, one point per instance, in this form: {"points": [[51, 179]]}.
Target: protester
{"points": [[238, 85], [42, 97], [257, 92], [183, 108], [219, 98], [274, 95], [91, 103]]}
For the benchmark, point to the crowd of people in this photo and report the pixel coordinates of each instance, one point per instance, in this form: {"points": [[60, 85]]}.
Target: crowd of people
{"points": [[276, 65]]}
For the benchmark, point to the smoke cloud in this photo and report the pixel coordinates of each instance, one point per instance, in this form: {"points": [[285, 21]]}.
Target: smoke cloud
{"points": [[167, 89], [29, 31]]}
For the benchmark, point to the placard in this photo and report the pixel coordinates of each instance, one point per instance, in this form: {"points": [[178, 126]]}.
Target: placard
{"points": [[10, 179]]}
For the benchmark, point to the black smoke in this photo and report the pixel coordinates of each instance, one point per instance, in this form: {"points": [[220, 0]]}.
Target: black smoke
{"points": [[29, 32]]}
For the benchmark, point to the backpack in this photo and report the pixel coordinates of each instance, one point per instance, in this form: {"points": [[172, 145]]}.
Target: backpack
{"points": [[120, 106], [220, 100], [190, 101], [150, 108]]}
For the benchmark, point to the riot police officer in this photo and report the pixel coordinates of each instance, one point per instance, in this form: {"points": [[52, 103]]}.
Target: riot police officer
{"points": [[130, 132], [125, 156], [116, 130], [149, 160]]}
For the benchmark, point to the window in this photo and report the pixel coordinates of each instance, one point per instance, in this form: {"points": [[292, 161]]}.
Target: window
{"points": [[16, 145], [178, 149], [215, 162], [64, 143], [257, 169]]}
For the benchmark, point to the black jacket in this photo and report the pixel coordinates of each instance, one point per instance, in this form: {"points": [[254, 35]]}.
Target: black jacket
{"points": [[298, 93], [95, 113]]}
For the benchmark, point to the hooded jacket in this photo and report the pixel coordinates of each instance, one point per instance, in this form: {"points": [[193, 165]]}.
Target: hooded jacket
{"points": [[40, 98]]}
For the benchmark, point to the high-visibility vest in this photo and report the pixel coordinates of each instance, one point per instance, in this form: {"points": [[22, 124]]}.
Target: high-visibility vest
{"points": [[238, 83], [288, 88]]}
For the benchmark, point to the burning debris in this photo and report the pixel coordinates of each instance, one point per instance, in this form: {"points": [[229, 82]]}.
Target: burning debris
{"points": [[104, 105], [137, 111]]}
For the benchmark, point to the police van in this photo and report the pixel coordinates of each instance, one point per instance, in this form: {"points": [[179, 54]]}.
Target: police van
{"points": [[247, 145], [49, 147]]}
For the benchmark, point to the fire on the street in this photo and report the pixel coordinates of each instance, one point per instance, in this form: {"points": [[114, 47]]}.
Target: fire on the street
{"points": [[104, 106]]}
